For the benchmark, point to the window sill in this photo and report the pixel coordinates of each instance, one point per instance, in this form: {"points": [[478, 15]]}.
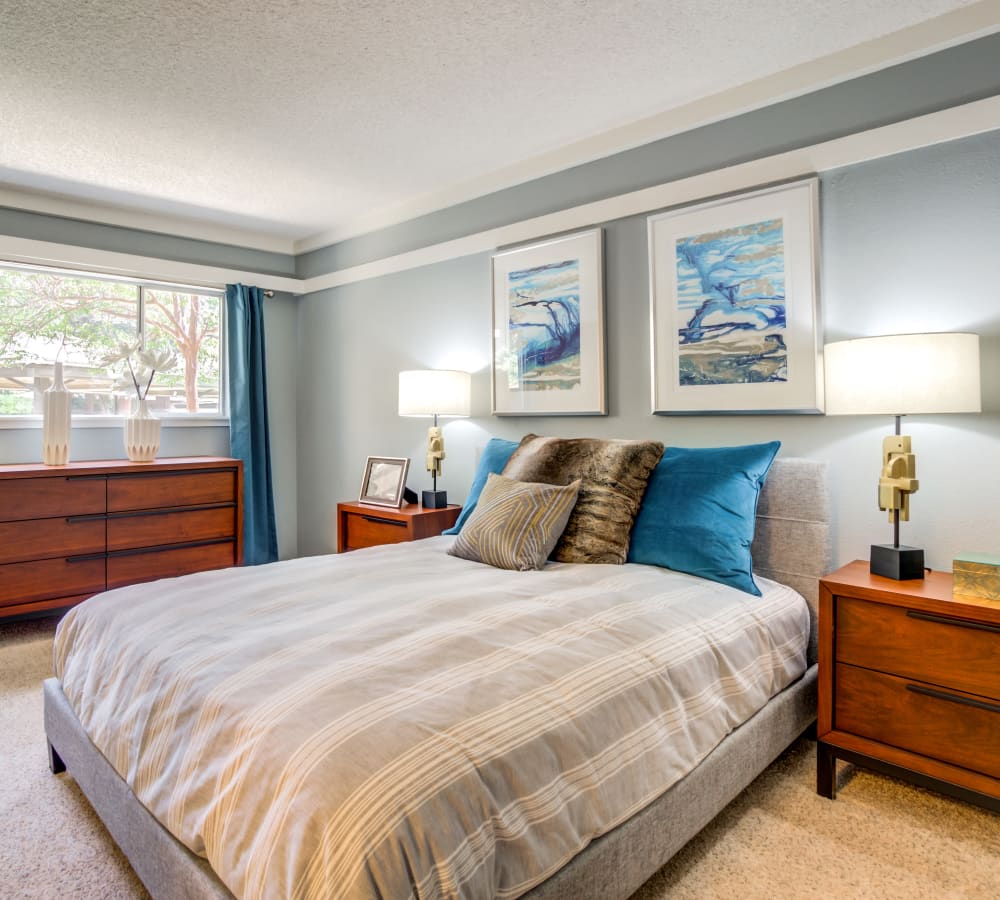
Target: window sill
{"points": [[35, 422]]}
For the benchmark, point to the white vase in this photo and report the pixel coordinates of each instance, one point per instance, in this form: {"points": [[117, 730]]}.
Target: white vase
{"points": [[142, 435], [56, 421]]}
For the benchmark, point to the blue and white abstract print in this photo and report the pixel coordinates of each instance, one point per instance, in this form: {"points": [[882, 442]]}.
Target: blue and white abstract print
{"points": [[543, 305], [731, 300]]}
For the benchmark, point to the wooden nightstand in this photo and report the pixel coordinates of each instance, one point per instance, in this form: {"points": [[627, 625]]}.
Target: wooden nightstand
{"points": [[909, 683], [362, 525]]}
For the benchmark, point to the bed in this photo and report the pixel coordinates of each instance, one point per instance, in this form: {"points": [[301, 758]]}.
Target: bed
{"points": [[593, 857]]}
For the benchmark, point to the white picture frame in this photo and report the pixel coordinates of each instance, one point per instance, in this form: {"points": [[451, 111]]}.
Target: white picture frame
{"points": [[734, 304], [548, 328]]}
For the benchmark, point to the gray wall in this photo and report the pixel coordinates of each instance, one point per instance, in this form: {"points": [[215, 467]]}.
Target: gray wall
{"points": [[908, 244]]}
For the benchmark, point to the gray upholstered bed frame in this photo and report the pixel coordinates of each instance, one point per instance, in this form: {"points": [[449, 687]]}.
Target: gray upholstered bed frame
{"points": [[792, 545]]}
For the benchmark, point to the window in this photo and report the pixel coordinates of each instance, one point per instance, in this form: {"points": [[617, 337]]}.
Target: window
{"points": [[79, 319]]}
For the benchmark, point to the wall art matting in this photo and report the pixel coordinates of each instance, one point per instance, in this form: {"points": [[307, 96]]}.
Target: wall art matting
{"points": [[735, 304], [548, 328]]}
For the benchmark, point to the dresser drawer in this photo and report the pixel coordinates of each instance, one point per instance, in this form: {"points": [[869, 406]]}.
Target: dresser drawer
{"points": [[133, 568], [942, 650], [27, 581], [49, 538], [40, 498], [183, 526], [126, 492], [956, 728], [372, 530]]}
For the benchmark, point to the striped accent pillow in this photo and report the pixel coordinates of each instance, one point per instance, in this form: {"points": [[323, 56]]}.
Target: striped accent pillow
{"points": [[515, 524]]}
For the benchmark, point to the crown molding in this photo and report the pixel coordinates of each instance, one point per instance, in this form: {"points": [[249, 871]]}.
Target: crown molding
{"points": [[68, 256], [948, 30], [939, 127], [922, 131], [100, 214]]}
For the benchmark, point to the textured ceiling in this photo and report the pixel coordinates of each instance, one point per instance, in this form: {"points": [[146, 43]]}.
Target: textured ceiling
{"points": [[292, 118]]}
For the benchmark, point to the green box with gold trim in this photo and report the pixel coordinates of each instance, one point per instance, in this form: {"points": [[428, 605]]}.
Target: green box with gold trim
{"points": [[977, 575]]}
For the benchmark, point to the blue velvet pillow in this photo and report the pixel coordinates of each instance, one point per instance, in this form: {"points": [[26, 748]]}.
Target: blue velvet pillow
{"points": [[493, 460], [699, 512]]}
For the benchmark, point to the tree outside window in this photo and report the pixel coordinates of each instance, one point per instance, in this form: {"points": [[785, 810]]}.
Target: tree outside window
{"points": [[78, 320]]}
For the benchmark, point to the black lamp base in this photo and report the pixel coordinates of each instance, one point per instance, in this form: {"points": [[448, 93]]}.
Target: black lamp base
{"points": [[899, 563], [435, 499]]}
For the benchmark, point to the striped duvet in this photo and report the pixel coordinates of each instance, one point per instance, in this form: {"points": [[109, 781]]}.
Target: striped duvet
{"points": [[397, 722]]}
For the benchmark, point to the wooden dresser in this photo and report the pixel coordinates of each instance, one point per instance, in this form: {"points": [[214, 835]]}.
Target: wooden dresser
{"points": [[67, 532], [362, 525], [909, 683]]}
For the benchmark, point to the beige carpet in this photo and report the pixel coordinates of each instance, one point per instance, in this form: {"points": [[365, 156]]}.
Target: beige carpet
{"points": [[879, 839]]}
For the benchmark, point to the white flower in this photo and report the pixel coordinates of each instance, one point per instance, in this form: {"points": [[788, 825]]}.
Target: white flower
{"points": [[157, 362], [124, 351]]}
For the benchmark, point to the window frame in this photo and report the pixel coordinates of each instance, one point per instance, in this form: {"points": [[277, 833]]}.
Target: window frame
{"points": [[186, 420]]}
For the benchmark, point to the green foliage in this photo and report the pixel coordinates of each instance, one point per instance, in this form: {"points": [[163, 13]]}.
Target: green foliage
{"points": [[82, 320]]}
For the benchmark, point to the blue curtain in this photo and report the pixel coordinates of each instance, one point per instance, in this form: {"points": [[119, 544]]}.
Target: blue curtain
{"points": [[248, 427]]}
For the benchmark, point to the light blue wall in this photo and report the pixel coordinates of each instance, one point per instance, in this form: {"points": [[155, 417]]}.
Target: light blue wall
{"points": [[908, 244]]}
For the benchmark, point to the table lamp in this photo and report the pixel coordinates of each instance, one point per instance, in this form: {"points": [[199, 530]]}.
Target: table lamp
{"points": [[898, 375], [433, 393]]}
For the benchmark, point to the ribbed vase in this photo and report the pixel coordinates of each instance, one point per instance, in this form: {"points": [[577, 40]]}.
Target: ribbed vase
{"points": [[56, 421], [142, 435]]}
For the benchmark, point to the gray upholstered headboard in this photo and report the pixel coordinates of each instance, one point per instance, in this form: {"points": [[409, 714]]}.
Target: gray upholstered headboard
{"points": [[793, 542]]}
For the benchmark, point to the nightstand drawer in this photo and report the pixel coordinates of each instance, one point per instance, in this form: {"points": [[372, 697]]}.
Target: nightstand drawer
{"points": [[957, 728], [942, 650], [372, 530]]}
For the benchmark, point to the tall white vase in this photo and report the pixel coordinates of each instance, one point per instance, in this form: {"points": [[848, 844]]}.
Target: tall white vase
{"points": [[56, 421], [142, 435]]}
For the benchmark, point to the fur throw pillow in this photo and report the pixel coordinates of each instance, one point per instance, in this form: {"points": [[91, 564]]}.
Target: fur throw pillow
{"points": [[613, 476]]}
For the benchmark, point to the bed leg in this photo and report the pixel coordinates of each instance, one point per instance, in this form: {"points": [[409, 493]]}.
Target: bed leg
{"points": [[56, 765], [826, 771]]}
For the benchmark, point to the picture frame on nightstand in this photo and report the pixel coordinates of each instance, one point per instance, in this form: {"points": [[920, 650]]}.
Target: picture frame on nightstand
{"points": [[384, 481]]}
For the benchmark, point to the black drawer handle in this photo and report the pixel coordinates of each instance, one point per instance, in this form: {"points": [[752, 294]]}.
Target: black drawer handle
{"points": [[86, 557], [954, 698], [948, 620], [166, 510], [93, 517], [381, 521], [128, 476], [166, 548]]}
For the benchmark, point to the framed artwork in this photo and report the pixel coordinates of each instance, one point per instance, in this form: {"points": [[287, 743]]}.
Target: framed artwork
{"points": [[384, 481], [548, 328], [734, 303]]}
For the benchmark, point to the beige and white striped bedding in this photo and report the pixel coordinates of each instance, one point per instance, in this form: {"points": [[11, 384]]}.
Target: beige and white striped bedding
{"points": [[398, 722]]}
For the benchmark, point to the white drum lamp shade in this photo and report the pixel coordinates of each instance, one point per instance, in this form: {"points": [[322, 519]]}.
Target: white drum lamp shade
{"points": [[903, 374], [434, 392]]}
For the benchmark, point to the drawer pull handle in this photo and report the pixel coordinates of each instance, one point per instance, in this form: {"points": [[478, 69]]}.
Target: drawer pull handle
{"points": [[128, 476], [166, 510], [166, 548], [954, 698], [93, 517], [86, 557], [948, 620], [382, 521]]}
